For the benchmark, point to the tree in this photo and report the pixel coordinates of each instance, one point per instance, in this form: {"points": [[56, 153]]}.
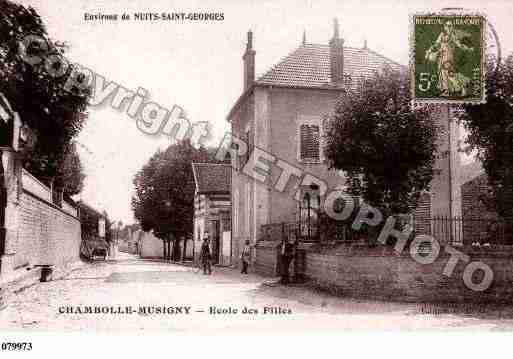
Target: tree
{"points": [[490, 128], [54, 114], [70, 174], [385, 147], [164, 191], [108, 227]]}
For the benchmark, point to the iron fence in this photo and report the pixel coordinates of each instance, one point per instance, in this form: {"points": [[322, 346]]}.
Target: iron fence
{"points": [[466, 230], [446, 229]]}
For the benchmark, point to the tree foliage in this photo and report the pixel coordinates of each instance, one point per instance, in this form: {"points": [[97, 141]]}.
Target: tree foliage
{"points": [[490, 128], [71, 172], [54, 114], [164, 190], [386, 148]]}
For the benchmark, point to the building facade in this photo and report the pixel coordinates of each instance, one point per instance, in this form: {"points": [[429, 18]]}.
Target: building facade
{"points": [[212, 210], [282, 113]]}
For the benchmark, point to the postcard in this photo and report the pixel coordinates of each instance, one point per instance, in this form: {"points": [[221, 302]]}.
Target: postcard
{"points": [[255, 167]]}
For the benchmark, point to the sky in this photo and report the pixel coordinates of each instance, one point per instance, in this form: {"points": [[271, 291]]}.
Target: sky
{"points": [[198, 65]]}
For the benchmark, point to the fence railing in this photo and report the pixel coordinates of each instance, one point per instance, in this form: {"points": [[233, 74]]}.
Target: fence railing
{"points": [[321, 230], [468, 230], [447, 230]]}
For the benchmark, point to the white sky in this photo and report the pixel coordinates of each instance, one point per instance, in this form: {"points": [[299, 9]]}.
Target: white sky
{"points": [[198, 65]]}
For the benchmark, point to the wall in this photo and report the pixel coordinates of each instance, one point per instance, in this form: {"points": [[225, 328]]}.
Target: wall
{"points": [[378, 273], [47, 234], [242, 186], [39, 232], [226, 241], [288, 108], [150, 246], [199, 229]]}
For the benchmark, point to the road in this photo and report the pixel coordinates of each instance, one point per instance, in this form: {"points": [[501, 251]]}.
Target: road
{"points": [[150, 295]]}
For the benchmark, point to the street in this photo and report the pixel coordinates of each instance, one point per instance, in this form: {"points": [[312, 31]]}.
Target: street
{"points": [[172, 297]]}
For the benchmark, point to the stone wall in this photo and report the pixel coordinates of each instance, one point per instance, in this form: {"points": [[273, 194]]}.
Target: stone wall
{"points": [[37, 232], [382, 274], [46, 233]]}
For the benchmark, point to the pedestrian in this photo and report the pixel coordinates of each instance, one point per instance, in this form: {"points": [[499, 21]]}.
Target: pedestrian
{"points": [[205, 255], [245, 257], [287, 254]]}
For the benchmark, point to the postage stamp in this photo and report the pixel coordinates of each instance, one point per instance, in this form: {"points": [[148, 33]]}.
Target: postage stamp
{"points": [[447, 61]]}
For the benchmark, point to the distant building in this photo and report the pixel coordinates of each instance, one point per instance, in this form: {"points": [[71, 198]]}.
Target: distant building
{"points": [[93, 222], [148, 246], [212, 210], [481, 223]]}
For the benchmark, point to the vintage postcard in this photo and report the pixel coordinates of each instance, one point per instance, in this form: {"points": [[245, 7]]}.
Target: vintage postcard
{"points": [[247, 168]]}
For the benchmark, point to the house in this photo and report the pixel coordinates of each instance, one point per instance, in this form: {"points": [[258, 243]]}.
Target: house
{"points": [[282, 112], [93, 222], [95, 233], [212, 210], [481, 223]]}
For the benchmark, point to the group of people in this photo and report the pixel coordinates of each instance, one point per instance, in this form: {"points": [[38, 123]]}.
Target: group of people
{"points": [[287, 252]]}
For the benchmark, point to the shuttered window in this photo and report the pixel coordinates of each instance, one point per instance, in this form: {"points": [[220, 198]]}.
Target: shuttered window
{"points": [[309, 142]]}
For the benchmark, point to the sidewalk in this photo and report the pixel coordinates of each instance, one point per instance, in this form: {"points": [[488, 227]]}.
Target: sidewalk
{"points": [[24, 278]]}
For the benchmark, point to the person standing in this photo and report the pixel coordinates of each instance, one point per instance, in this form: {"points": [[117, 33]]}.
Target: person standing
{"points": [[206, 256], [287, 254], [245, 257]]}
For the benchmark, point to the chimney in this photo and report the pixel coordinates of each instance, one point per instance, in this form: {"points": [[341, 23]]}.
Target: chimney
{"points": [[337, 56], [249, 62]]}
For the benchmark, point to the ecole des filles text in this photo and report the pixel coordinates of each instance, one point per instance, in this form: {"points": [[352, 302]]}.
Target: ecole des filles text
{"points": [[172, 310]]}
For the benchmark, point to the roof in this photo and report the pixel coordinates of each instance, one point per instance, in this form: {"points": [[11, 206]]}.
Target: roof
{"points": [[212, 177], [309, 66]]}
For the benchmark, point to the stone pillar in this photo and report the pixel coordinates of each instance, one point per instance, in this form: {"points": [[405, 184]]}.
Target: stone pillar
{"points": [[10, 183], [445, 186]]}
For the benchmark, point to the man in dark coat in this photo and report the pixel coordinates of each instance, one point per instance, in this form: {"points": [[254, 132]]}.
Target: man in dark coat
{"points": [[205, 255], [287, 255], [245, 257]]}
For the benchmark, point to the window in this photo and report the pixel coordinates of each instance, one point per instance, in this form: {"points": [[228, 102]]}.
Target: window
{"points": [[309, 143]]}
